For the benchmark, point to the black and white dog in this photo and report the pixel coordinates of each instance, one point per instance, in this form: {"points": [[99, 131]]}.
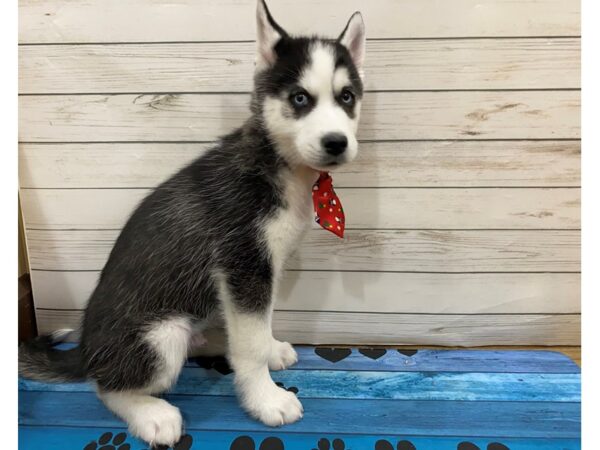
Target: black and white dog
{"points": [[206, 248]]}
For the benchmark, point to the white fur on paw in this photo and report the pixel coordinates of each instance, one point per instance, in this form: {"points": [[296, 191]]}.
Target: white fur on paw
{"points": [[282, 356], [275, 407], [158, 423]]}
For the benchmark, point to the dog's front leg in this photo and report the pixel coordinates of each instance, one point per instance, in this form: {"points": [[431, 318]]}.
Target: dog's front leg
{"points": [[251, 349]]}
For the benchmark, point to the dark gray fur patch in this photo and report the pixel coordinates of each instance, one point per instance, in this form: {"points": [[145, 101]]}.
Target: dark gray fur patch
{"points": [[207, 217]]}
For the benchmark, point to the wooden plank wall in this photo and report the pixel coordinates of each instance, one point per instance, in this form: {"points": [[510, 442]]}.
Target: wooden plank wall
{"points": [[463, 207]]}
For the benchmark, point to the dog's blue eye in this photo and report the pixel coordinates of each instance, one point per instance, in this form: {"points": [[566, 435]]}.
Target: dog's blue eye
{"points": [[300, 99], [347, 97]]}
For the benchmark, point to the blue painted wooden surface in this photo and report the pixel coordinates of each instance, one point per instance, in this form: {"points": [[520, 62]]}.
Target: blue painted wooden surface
{"points": [[559, 387], [518, 419], [488, 361], [522, 361], [521, 400], [55, 438]]}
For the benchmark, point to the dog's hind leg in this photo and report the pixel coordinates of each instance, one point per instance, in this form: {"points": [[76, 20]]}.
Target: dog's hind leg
{"points": [[152, 419]]}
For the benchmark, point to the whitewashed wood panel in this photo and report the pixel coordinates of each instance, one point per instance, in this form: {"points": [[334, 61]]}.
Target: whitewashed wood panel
{"points": [[215, 67], [387, 329], [371, 250], [379, 164], [189, 20], [463, 205], [308, 327], [385, 116], [442, 251], [417, 208], [437, 293]]}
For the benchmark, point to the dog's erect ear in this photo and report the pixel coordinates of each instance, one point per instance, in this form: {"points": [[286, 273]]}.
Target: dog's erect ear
{"points": [[268, 33], [353, 38]]}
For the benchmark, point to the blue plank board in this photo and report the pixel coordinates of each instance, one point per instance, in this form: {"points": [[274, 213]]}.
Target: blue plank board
{"points": [[410, 417], [48, 438], [404, 360], [438, 361], [365, 398], [561, 387]]}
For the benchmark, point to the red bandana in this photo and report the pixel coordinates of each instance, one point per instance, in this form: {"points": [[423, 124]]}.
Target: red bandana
{"points": [[328, 209]]}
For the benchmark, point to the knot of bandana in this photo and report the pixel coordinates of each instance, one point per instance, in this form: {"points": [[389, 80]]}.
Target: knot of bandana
{"points": [[328, 209]]}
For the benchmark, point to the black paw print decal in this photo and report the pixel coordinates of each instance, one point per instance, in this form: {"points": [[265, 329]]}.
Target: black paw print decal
{"points": [[185, 443], [336, 444], [247, 443], [492, 446], [293, 389], [407, 352], [382, 444], [218, 363], [109, 442]]}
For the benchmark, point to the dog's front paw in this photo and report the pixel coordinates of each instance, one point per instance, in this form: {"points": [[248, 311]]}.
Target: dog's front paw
{"points": [[282, 356], [275, 407]]}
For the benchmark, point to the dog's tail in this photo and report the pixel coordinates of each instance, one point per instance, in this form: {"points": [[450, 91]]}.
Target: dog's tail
{"points": [[39, 360]]}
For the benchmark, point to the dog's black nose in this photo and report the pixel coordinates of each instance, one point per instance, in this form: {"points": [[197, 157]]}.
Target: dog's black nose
{"points": [[334, 143]]}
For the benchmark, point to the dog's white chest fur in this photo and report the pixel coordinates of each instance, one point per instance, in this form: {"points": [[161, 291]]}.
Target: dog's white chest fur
{"points": [[285, 230]]}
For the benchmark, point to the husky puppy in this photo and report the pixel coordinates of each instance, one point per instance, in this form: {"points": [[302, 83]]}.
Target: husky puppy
{"points": [[208, 245]]}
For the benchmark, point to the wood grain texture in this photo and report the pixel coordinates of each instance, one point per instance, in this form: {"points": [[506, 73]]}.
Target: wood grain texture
{"points": [[442, 251], [429, 399], [519, 419], [377, 385], [497, 208], [572, 352], [335, 328], [400, 329], [514, 360], [214, 67], [438, 293], [186, 20], [379, 164], [367, 250], [494, 359], [66, 438], [469, 162], [385, 116]]}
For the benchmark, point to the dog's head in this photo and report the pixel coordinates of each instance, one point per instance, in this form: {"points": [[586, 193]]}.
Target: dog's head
{"points": [[308, 91]]}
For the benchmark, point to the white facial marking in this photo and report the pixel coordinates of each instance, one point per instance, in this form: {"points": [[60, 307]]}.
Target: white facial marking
{"points": [[323, 81], [299, 139], [282, 127], [317, 78], [341, 79]]}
